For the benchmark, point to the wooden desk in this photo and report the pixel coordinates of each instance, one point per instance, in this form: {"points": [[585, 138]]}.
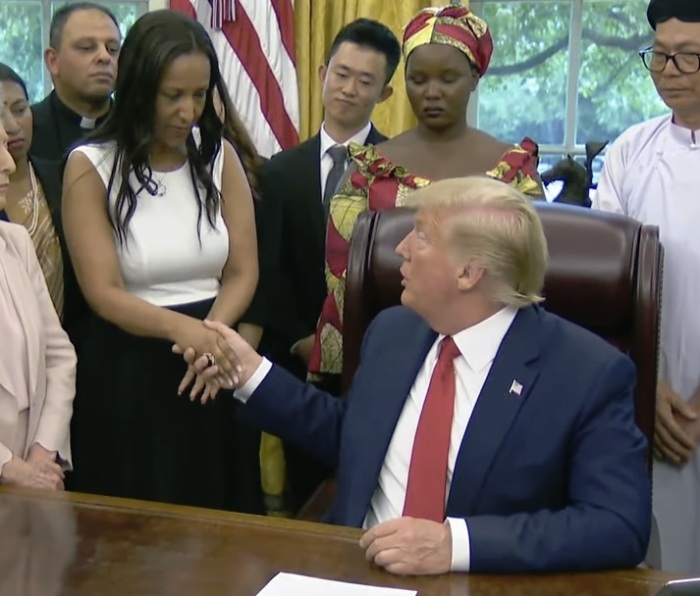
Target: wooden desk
{"points": [[66, 544]]}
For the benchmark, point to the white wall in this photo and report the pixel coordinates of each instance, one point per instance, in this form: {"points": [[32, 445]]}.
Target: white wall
{"points": [[157, 4]]}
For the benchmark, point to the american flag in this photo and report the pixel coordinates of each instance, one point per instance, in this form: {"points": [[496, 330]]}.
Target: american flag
{"points": [[516, 388], [254, 40]]}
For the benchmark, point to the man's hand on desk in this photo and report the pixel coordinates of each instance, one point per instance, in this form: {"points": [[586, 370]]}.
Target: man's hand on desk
{"points": [[408, 546], [672, 441]]}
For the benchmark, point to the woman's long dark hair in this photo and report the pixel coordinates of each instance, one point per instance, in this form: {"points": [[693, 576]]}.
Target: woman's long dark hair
{"points": [[237, 134], [151, 45]]}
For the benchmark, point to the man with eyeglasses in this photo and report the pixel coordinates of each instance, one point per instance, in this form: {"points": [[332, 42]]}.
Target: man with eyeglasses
{"points": [[652, 173]]}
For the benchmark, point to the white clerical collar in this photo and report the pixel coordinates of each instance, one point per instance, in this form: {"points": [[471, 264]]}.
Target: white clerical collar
{"points": [[360, 137], [87, 123], [685, 136], [71, 115]]}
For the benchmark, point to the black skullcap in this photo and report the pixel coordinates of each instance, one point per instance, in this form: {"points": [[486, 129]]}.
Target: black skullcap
{"points": [[663, 10]]}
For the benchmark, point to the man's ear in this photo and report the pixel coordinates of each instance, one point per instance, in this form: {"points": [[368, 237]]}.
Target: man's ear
{"points": [[469, 276], [386, 93], [322, 71], [50, 60]]}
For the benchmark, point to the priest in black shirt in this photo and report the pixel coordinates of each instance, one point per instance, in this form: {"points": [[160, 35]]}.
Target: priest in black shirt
{"points": [[84, 44]]}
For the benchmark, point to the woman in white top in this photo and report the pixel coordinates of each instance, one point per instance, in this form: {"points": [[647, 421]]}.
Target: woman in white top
{"points": [[160, 229], [37, 362]]}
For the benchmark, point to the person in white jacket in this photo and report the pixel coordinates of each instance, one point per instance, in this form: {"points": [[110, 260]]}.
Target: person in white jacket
{"points": [[652, 173]]}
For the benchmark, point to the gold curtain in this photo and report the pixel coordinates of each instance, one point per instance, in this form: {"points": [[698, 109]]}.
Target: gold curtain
{"points": [[316, 24]]}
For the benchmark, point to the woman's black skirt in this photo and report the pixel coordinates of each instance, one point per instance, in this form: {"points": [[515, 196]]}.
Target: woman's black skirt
{"points": [[133, 436]]}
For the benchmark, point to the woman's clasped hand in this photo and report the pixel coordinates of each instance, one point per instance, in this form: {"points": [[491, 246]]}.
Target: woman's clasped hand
{"points": [[38, 470], [193, 341]]}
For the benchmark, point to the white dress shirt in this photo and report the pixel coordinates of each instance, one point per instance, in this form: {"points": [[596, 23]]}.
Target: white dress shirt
{"points": [[327, 142], [652, 174], [478, 346]]}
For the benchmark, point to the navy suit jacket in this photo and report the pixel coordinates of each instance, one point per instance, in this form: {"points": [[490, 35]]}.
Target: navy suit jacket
{"points": [[551, 479]]}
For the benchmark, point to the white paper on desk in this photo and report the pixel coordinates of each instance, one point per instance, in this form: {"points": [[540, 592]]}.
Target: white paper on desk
{"points": [[290, 584]]}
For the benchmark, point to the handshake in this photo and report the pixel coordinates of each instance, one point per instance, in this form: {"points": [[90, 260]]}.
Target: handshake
{"points": [[217, 358]]}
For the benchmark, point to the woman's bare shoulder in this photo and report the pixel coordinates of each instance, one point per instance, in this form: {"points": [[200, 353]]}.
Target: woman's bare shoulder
{"points": [[396, 147], [489, 143]]}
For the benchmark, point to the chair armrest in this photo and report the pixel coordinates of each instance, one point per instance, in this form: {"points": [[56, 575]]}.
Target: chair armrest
{"points": [[319, 503]]}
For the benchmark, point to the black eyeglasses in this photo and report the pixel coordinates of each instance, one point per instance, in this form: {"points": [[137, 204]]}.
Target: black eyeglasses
{"points": [[685, 62]]}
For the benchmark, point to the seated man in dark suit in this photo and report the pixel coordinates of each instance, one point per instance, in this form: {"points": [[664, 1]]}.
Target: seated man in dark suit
{"points": [[481, 433]]}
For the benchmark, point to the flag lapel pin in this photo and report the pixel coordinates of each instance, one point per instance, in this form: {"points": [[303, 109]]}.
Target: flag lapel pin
{"points": [[516, 388]]}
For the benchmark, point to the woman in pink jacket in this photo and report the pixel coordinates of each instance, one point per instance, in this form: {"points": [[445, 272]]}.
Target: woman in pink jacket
{"points": [[37, 362]]}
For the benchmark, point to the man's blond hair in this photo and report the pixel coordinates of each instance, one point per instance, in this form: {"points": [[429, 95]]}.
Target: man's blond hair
{"points": [[496, 226]]}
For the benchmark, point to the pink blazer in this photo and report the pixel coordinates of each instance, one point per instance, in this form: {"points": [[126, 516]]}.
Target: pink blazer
{"points": [[52, 358]]}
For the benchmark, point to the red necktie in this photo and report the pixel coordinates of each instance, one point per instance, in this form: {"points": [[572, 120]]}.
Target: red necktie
{"points": [[427, 474]]}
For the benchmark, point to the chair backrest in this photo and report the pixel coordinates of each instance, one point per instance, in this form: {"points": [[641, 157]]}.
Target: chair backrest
{"points": [[604, 274]]}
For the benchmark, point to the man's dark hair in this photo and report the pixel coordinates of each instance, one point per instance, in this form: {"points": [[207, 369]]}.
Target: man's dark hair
{"points": [[660, 11], [62, 14], [370, 34]]}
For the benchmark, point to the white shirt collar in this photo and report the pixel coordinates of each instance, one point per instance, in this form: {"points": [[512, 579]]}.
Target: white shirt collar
{"points": [[359, 137], [479, 344], [685, 136], [87, 123]]}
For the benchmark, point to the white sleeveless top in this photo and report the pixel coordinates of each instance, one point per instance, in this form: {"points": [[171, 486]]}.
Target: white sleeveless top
{"points": [[163, 260]]}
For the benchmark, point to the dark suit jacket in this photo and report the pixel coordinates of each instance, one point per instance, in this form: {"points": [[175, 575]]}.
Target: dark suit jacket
{"points": [[292, 237], [56, 129], [551, 479]]}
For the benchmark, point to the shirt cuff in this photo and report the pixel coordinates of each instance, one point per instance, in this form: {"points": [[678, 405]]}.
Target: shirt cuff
{"points": [[460, 544], [243, 393]]}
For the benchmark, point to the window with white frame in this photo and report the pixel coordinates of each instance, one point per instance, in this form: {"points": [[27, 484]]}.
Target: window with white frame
{"points": [[565, 72], [25, 34]]}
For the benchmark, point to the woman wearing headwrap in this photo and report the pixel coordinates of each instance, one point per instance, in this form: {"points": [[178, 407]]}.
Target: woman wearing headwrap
{"points": [[446, 51]]}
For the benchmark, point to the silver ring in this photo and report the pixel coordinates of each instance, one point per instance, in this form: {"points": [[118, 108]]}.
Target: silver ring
{"points": [[211, 361]]}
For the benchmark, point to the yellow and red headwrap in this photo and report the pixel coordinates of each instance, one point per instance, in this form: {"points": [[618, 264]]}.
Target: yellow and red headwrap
{"points": [[456, 26]]}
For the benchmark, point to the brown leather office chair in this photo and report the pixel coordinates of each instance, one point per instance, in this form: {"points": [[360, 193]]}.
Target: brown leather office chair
{"points": [[604, 274]]}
